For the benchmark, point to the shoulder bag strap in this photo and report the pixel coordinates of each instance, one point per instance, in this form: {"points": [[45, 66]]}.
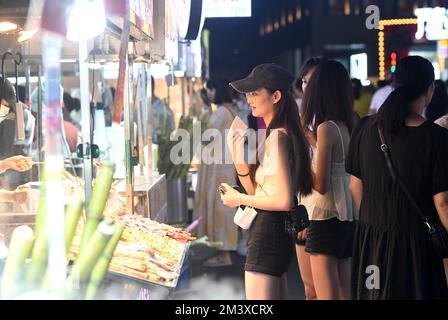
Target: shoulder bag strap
{"points": [[386, 151]]}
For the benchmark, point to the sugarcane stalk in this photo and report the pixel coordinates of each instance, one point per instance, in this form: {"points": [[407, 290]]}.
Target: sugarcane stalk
{"points": [[87, 259], [97, 203], [39, 262], [72, 215], [19, 249], [39, 258], [101, 267], [42, 208]]}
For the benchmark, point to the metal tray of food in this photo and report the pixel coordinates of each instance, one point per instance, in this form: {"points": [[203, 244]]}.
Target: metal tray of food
{"points": [[144, 282]]}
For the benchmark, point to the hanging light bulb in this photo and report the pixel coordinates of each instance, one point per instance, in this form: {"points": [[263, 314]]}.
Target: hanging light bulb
{"points": [[6, 26], [86, 20]]}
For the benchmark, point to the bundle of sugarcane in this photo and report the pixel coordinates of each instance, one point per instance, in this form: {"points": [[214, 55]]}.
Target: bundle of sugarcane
{"points": [[180, 170], [39, 256], [164, 164], [97, 202], [88, 259], [101, 267], [183, 171], [19, 250], [100, 236]]}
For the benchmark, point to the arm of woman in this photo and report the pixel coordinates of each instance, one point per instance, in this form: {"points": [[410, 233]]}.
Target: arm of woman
{"points": [[321, 179], [356, 190], [441, 203], [241, 167], [282, 199]]}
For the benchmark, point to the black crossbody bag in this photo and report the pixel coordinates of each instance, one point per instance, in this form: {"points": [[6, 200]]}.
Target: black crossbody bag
{"points": [[437, 233], [296, 219]]}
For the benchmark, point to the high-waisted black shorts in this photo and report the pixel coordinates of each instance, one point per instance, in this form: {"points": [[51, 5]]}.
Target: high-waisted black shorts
{"points": [[270, 247], [331, 237]]}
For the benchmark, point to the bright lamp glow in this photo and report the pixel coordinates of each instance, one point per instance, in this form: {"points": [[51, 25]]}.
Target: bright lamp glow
{"points": [[26, 35], [6, 26], [87, 19]]}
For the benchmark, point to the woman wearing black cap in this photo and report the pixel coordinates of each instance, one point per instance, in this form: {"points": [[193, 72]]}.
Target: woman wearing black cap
{"points": [[272, 184]]}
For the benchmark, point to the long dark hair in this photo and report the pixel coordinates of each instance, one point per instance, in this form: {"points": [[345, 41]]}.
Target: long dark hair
{"points": [[413, 76], [309, 65], [329, 96], [287, 117], [438, 106]]}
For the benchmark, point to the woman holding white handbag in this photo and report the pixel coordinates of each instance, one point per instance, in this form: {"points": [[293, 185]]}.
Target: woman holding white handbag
{"points": [[281, 171]]}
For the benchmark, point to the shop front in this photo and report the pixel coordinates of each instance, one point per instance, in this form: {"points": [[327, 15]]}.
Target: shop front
{"points": [[91, 226]]}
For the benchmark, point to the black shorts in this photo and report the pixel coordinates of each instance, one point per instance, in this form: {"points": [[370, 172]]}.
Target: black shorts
{"points": [[331, 237], [270, 247]]}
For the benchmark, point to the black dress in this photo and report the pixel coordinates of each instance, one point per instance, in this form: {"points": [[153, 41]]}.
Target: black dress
{"points": [[391, 236]]}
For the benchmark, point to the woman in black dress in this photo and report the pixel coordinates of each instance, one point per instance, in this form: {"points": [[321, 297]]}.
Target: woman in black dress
{"points": [[393, 257]]}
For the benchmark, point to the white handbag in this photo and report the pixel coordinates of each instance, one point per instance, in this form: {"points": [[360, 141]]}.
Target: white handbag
{"points": [[244, 218]]}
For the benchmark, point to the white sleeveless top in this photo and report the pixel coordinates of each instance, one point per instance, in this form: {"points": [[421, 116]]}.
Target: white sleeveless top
{"points": [[338, 201], [265, 174]]}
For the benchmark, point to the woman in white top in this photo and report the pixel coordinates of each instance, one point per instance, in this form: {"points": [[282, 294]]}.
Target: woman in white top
{"points": [[327, 108], [271, 183], [303, 258]]}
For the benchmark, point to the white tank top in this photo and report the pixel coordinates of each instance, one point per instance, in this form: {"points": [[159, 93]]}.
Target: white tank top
{"points": [[338, 201], [265, 175]]}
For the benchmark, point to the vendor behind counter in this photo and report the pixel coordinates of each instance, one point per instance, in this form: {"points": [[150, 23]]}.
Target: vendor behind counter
{"points": [[9, 145]]}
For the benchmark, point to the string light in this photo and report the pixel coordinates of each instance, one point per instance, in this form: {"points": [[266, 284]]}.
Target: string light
{"points": [[298, 13], [381, 41]]}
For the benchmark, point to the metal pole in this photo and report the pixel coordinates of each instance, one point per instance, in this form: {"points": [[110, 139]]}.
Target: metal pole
{"points": [[26, 64], [141, 112], [190, 92], [85, 119], [128, 137], [149, 118], [183, 95], [40, 132]]}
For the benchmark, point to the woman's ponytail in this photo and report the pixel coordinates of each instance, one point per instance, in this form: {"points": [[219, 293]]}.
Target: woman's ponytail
{"points": [[413, 77]]}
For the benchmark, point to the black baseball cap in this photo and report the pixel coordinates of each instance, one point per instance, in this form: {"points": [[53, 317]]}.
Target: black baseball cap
{"points": [[266, 75]]}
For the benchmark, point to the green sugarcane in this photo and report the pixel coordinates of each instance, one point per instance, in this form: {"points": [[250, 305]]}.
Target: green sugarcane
{"points": [[39, 257], [173, 168], [19, 249], [101, 267], [88, 258], [72, 215], [97, 203], [40, 251], [42, 208], [39, 262], [185, 167]]}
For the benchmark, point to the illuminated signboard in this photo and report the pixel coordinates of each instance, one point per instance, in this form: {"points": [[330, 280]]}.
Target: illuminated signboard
{"points": [[432, 23], [227, 8], [141, 14]]}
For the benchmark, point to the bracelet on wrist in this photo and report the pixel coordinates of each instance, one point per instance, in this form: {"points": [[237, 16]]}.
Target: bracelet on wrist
{"points": [[245, 200], [242, 175]]}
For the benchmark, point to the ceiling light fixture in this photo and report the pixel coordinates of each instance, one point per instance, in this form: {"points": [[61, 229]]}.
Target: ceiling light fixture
{"points": [[6, 26]]}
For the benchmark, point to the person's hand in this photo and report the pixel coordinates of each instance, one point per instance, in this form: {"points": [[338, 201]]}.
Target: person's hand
{"points": [[310, 137], [18, 163], [237, 143], [302, 234], [21, 195], [231, 198], [10, 116]]}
